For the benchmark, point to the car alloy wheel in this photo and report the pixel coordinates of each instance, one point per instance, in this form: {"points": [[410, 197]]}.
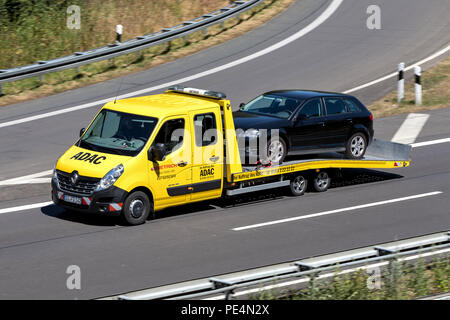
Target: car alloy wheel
{"points": [[276, 151], [358, 145]]}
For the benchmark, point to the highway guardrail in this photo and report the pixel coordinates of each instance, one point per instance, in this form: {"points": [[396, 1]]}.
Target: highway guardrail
{"points": [[133, 45], [228, 286]]}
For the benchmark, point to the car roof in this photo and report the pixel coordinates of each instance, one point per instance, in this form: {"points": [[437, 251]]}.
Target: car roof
{"points": [[161, 105], [305, 94]]}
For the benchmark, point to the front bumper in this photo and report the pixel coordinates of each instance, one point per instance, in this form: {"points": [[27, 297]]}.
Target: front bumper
{"points": [[107, 202]]}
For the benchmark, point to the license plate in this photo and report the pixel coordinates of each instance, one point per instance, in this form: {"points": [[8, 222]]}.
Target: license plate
{"points": [[71, 199]]}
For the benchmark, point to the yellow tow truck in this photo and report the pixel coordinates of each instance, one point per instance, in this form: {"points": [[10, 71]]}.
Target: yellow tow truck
{"points": [[144, 154]]}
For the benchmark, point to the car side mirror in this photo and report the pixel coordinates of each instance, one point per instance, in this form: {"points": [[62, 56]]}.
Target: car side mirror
{"points": [[82, 131], [241, 106], [156, 152]]}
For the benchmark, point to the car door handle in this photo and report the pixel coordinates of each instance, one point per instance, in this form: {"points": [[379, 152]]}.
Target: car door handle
{"points": [[214, 159], [350, 120], [182, 163], [322, 123]]}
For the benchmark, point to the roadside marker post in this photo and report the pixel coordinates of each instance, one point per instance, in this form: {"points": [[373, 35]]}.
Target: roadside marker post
{"points": [[418, 85], [401, 82], [119, 31]]}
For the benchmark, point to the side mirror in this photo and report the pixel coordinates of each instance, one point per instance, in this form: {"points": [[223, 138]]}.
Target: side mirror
{"points": [[82, 131], [241, 106], [156, 152]]}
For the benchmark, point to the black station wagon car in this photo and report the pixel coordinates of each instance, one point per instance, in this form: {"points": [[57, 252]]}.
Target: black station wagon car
{"points": [[309, 122]]}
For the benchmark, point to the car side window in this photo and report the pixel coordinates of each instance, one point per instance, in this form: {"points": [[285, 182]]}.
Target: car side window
{"points": [[205, 129], [171, 135], [351, 105], [334, 106], [312, 108]]}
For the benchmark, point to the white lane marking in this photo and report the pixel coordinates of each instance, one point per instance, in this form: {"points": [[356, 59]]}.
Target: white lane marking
{"points": [[410, 128], [31, 178], [429, 143], [317, 22], [327, 275], [25, 207], [324, 213], [394, 74]]}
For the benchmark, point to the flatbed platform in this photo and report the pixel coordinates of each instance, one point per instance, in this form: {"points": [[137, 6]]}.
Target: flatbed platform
{"points": [[380, 154]]}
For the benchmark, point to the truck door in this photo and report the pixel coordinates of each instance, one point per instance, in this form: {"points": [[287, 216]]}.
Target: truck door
{"points": [[172, 176], [207, 155]]}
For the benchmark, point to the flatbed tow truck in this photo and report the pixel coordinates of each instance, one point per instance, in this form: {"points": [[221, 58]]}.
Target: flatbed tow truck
{"points": [[183, 149]]}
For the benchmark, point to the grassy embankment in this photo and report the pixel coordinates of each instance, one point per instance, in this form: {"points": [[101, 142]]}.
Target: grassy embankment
{"points": [[435, 93], [40, 33], [403, 281]]}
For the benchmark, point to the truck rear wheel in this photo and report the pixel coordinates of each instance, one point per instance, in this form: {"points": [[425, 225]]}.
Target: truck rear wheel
{"points": [[322, 181], [136, 208], [298, 185]]}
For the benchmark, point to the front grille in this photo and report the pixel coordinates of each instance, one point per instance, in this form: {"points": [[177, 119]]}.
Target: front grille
{"points": [[85, 185]]}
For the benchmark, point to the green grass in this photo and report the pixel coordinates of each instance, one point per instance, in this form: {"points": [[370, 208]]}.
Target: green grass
{"points": [[399, 282]]}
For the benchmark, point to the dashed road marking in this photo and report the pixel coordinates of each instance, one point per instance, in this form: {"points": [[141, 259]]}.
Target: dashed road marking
{"points": [[410, 128], [348, 209]]}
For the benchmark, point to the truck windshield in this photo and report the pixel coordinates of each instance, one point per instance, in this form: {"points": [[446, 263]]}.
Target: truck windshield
{"points": [[118, 133], [272, 105]]}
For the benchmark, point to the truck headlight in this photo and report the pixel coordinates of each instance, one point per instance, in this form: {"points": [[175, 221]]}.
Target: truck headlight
{"points": [[108, 180], [55, 177]]}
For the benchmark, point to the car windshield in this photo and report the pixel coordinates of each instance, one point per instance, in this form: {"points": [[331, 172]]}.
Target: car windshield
{"points": [[118, 133], [272, 105]]}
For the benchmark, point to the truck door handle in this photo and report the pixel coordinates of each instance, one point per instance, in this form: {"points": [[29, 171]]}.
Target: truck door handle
{"points": [[214, 159], [182, 163]]}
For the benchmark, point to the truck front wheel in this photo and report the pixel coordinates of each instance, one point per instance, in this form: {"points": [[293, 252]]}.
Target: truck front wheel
{"points": [[136, 208]]}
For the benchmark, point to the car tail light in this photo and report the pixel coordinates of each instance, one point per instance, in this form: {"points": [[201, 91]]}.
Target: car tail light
{"points": [[371, 117]]}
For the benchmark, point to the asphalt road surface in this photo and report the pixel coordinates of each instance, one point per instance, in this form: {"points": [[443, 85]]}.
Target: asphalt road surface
{"points": [[37, 245]]}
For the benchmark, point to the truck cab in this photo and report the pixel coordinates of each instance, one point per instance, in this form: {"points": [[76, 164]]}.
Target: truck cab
{"points": [[141, 155]]}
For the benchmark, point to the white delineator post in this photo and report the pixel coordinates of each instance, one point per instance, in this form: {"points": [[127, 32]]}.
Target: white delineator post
{"points": [[401, 82], [418, 85], [119, 31]]}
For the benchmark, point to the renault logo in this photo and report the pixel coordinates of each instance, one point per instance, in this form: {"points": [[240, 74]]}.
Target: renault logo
{"points": [[74, 178]]}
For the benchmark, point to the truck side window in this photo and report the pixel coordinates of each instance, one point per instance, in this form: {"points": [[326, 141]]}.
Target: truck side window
{"points": [[205, 129], [171, 135]]}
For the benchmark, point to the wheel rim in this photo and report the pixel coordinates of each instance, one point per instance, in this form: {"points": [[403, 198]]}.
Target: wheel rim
{"points": [[357, 146], [275, 151], [137, 208], [299, 184], [322, 180]]}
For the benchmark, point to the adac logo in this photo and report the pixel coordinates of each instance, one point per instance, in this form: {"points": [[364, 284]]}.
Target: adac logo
{"points": [[74, 178], [86, 156]]}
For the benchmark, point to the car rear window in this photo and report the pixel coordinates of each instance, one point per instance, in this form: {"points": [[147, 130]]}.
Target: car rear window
{"points": [[352, 106], [334, 106]]}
